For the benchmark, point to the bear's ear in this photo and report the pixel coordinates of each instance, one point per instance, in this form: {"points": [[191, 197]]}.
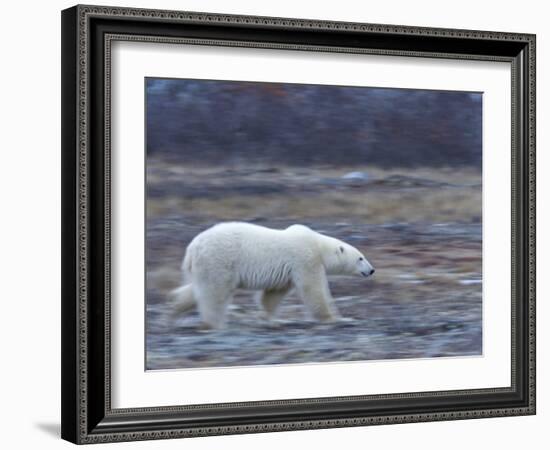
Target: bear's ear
{"points": [[341, 249]]}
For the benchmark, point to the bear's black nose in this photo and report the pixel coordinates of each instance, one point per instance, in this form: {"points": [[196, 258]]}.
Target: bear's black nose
{"points": [[371, 272]]}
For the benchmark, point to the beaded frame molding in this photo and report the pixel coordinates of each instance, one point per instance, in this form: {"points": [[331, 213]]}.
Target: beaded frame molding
{"points": [[87, 35]]}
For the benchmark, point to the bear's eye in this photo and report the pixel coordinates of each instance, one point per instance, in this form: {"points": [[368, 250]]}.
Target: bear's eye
{"points": [[361, 259], [342, 249]]}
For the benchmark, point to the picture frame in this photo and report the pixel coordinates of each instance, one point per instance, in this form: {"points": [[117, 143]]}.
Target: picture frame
{"points": [[88, 33]]}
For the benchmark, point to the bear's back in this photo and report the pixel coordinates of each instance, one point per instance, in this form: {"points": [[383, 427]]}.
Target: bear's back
{"points": [[246, 234]]}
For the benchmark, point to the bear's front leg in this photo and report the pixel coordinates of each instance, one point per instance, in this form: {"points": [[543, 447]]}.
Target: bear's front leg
{"points": [[312, 288]]}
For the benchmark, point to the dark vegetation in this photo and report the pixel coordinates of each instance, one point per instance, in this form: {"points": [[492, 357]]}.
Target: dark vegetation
{"points": [[232, 122]]}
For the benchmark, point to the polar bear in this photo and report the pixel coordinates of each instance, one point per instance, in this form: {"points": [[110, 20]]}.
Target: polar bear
{"points": [[240, 255]]}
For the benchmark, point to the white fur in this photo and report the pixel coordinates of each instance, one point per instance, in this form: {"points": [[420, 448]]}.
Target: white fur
{"points": [[235, 255]]}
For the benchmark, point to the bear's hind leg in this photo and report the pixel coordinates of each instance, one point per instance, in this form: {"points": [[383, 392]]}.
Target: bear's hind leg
{"points": [[181, 299], [270, 300], [212, 302]]}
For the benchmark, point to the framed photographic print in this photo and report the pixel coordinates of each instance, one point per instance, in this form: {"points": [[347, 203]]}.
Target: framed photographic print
{"points": [[268, 222]]}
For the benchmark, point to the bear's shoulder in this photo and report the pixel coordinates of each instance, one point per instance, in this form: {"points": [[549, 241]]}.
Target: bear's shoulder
{"points": [[302, 233], [299, 228]]}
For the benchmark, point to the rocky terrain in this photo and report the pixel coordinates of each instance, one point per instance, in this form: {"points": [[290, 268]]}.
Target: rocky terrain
{"points": [[421, 229]]}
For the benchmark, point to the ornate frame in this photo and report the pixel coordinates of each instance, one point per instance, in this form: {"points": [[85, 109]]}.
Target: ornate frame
{"points": [[87, 34]]}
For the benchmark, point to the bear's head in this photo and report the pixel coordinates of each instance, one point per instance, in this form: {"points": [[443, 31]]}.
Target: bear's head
{"points": [[347, 260]]}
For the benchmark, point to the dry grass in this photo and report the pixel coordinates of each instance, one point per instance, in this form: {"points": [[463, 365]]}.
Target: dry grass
{"points": [[421, 205], [424, 300], [457, 199], [159, 171]]}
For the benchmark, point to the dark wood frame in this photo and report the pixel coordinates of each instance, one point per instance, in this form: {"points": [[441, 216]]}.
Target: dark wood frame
{"points": [[87, 32]]}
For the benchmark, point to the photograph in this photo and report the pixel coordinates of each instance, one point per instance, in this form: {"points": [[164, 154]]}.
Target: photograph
{"points": [[273, 222], [300, 223]]}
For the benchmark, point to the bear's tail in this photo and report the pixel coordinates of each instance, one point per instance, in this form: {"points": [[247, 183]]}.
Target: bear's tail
{"points": [[182, 299], [186, 264]]}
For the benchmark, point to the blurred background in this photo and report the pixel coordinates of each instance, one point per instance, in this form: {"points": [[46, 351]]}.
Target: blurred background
{"points": [[394, 172]]}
